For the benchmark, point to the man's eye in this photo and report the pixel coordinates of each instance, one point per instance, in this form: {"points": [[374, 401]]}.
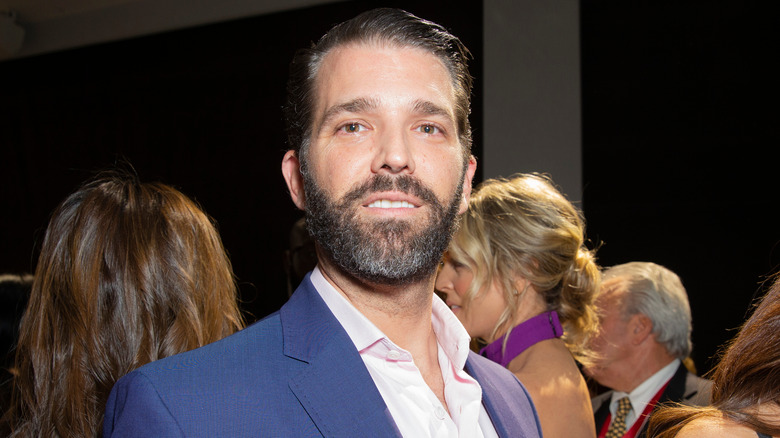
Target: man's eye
{"points": [[351, 128], [428, 129]]}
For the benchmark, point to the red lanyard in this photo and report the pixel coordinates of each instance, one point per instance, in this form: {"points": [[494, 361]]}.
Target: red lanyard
{"points": [[640, 421]]}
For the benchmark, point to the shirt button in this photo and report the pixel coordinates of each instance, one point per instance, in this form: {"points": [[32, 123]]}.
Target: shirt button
{"points": [[439, 412], [393, 355]]}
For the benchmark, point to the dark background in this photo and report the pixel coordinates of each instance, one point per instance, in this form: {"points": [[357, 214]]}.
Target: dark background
{"points": [[679, 138]]}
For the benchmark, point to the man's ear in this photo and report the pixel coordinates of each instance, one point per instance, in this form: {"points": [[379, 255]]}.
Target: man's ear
{"points": [[469, 177], [640, 328], [291, 170]]}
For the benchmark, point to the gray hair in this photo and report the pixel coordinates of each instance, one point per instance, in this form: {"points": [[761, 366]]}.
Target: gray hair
{"points": [[657, 293]]}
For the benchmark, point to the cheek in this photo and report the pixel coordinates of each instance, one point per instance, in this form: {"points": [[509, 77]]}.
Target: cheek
{"points": [[461, 280], [462, 285], [337, 171], [607, 345], [484, 312], [440, 177]]}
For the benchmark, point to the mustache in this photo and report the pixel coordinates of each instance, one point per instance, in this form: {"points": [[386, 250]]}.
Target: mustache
{"points": [[382, 183]]}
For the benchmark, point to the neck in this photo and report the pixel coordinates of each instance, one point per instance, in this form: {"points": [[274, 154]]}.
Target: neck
{"points": [[530, 332], [644, 366], [402, 313], [530, 304]]}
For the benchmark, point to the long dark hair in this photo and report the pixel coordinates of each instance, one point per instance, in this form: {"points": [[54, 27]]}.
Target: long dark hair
{"points": [[128, 273], [748, 375]]}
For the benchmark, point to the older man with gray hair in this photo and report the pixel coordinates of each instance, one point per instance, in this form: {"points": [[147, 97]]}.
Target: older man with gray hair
{"points": [[645, 334]]}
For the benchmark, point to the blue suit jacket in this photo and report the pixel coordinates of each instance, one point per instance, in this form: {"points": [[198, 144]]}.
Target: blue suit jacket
{"points": [[295, 373]]}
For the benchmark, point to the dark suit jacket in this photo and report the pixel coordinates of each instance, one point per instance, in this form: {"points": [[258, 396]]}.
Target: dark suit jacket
{"points": [[684, 387], [295, 373]]}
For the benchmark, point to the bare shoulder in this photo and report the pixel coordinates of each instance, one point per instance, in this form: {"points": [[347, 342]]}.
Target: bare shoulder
{"points": [[714, 426], [558, 391], [550, 362]]}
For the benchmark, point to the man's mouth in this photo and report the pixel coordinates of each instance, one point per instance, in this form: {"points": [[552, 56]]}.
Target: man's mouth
{"points": [[385, 203]]}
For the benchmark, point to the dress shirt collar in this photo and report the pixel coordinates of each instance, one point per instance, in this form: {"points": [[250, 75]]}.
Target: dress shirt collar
{"points": [[450, 333], [360, 329], [642, 394], [452, 336]]}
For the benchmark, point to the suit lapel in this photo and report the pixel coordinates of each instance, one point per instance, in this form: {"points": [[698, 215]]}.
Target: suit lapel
{"points": [[674, 392], [601, 413], [507, 411], [335, 388], [676, 387]]}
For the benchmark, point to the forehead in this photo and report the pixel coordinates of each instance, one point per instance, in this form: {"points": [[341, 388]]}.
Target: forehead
{"points": [[385, 72]]}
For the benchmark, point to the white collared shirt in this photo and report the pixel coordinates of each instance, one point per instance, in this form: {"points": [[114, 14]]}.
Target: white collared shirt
{"points": [[642, 394], [415, 408]]}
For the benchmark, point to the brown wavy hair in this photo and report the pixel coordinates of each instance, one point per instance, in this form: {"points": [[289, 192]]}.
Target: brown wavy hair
{"points": [[524, 226], [128, 273], [748, 375]]}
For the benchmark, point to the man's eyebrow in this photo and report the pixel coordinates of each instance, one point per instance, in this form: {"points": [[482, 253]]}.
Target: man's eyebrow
{"points": [[429, 108], [361, 104]]}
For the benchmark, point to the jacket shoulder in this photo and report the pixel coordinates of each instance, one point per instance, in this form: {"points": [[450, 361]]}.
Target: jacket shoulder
{"points": [[698, 391], [505, 398]]}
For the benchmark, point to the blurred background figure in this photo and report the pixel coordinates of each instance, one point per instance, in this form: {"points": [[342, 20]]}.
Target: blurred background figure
{"points": [[128, 273], [746, 384], [520, 279], [645, 334], [14, 292]]}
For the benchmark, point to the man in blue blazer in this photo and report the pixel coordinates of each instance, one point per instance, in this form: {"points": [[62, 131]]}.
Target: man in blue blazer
{"points": [[296, 373], [378, 125]]}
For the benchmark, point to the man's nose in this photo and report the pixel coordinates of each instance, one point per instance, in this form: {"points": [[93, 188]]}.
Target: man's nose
{"points": [[394, 154]]}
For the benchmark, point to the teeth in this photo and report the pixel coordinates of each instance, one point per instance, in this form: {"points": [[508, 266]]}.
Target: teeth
{"points": [[384, 203]]}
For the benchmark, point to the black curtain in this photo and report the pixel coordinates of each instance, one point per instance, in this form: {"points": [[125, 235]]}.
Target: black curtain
{"points": [[680, 142]]}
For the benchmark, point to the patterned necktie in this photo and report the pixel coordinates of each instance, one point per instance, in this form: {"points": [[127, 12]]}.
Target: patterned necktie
{"points": [[618, 426]]}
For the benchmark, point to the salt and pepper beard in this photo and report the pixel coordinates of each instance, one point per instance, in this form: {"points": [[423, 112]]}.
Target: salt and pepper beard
{"points": [[382, 251]]}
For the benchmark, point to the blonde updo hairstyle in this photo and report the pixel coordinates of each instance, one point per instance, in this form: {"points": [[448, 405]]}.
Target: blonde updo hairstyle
{"points": [[523, 226]]}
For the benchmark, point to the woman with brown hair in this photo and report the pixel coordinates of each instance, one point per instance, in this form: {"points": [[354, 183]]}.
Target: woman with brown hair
{"points": [[518, 276], [746, 385], [128, 273]]}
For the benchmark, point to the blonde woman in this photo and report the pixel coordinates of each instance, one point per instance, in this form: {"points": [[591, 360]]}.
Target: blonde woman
{"points": [[520, 279]]}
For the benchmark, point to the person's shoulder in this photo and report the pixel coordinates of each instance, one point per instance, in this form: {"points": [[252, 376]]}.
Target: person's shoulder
{"points": [[206, 379], [250, 345], [714, 426], [487, 365], [698, 390], [549, 362], [504, 396], [485, 371], [692, 378]]}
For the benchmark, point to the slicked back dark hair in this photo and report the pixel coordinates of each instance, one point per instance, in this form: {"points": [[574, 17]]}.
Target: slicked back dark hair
{"points": [[386, 26]]}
